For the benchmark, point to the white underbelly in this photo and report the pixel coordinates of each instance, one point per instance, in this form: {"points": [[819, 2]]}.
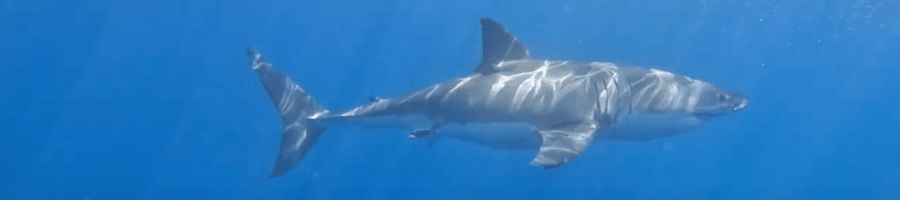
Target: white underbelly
{"points": [[494, 135], [628, 127], [640, 126]]}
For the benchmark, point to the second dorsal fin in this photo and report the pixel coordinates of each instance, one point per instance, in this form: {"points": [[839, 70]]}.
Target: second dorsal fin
{"points": [[498, 45]]}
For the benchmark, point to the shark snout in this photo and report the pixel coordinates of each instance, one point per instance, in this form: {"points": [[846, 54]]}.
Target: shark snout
{"points": [[741, 104]]}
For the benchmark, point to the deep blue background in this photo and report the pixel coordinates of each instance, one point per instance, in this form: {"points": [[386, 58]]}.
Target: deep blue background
{"points": [[154, 99]]}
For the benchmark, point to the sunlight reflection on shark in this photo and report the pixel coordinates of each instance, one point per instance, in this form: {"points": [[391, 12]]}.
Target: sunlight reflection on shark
{"points": [[513, 101]]}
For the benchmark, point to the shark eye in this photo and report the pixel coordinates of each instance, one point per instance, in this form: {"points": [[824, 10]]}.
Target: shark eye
{"points": [[722, 97]]}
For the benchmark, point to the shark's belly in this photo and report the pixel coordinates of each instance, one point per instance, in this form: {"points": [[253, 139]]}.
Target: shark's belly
{"points": [[641, 126], [498, 135], [510, 136]]}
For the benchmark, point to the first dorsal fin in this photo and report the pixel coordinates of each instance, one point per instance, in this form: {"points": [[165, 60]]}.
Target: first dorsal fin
{"points": [[498, 45]]}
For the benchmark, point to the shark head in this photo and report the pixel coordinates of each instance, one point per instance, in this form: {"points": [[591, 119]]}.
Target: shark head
{"points": [[664, 104], [713, 102], [656, 91]]}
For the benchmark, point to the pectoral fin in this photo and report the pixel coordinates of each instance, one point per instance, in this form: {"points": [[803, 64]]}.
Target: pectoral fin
{"points": [[564, 143]]}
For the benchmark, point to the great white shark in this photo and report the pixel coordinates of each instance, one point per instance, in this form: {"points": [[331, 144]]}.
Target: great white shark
{"points": [[513, 101]]}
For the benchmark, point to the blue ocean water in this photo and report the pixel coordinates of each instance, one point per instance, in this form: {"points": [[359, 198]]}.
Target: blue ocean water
{"points": [[154, 99]]}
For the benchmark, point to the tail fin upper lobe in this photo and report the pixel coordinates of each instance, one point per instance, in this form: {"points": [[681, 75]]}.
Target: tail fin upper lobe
{"points": [[296, 109]]}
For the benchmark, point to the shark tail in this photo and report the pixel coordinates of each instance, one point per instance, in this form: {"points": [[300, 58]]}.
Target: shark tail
{"points": [[298, 112]]}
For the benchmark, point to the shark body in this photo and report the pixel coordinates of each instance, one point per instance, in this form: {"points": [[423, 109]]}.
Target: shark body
{"points": [[513, 101]]}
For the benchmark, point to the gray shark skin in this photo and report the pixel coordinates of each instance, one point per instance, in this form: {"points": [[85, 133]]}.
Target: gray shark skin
{"points": [[513, 101]]}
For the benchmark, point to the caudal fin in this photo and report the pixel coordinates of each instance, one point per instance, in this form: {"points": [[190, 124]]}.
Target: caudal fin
{"points": [[297, 110]]}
